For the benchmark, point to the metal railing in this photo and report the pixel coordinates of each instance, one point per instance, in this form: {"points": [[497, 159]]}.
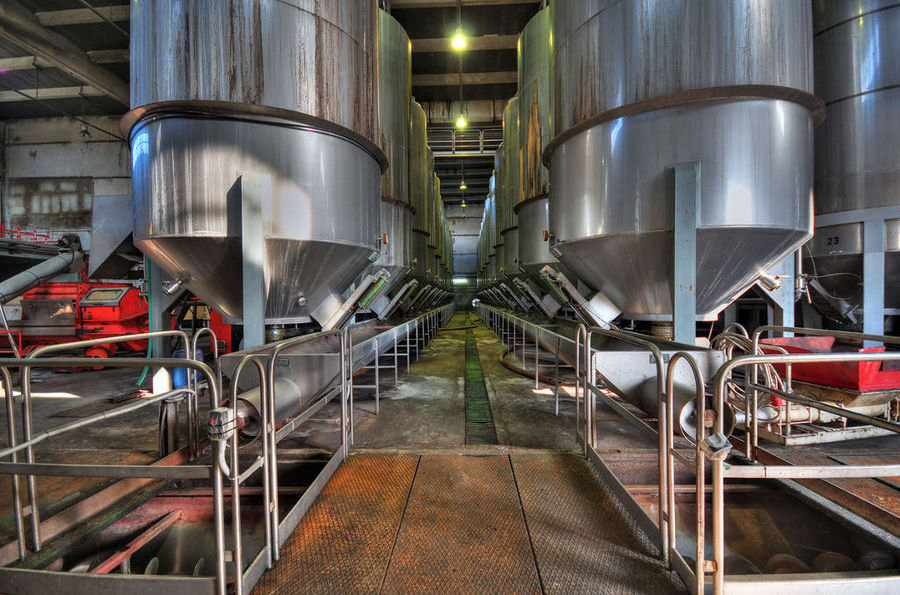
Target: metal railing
{"points": [[418, 332], [710, 422], [454, 141], [507, 326], [30, 469]]}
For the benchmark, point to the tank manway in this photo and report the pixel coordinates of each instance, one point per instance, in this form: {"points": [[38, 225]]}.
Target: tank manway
{"points": [[479, 421]]}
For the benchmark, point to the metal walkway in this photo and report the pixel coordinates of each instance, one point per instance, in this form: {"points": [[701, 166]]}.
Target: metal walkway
{"points": [[466, 524]]}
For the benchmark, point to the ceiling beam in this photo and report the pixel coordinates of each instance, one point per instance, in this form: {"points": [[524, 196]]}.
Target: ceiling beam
{"points": [[19, 63], [18, 25], [481, 42], [109, 56], [398, 4], [82, 16], [468, 78], [48, 93]]}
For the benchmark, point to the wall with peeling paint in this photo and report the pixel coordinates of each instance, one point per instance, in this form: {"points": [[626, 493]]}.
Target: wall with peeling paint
{"points": [[53, 168]]}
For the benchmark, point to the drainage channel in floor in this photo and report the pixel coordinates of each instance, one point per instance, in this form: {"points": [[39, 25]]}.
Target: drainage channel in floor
{"points": [[479, 421]]}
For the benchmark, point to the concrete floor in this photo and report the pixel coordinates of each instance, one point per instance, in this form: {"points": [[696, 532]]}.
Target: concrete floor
{"points": [[427, 410]]}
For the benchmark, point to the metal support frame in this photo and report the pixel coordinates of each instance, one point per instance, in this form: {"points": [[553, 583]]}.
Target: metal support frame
{"points": [[873, 278], [686, 204], [253, 190], [873, 222]]}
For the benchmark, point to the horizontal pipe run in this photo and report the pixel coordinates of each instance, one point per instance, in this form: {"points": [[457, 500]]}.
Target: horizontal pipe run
{"points": [[105, 415], [809, 471], [115, 471], [840, 411]]}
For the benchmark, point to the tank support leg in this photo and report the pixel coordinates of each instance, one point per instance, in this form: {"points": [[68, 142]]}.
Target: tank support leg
{"points": [[684, 282], [251, 189]]}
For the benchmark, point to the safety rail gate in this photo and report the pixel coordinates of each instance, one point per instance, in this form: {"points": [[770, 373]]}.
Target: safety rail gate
{"points": [[416, 332]]}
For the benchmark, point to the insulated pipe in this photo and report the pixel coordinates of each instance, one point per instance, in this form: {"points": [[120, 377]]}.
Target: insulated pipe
{"points": [[288, 401], [71, 259]]}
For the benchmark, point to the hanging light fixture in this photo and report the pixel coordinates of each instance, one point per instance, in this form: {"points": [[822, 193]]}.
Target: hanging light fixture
{"points": [[459, 43], [462, 183]]}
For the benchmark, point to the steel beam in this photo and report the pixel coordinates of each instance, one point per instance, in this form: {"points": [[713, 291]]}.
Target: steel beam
{"points": [[20, 26]]}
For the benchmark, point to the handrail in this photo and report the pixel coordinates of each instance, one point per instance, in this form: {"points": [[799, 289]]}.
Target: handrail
{"points": [[718, 465], [663, 439], [26, 407], [235, 476], [753, 437], [32, 362], [192, 381], [669, 426]]}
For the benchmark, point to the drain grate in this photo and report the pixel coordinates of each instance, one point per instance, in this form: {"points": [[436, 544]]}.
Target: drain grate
{"points": [[479, 421]]}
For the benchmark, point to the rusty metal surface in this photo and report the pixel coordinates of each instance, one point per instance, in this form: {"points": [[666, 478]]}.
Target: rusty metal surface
{"points": [[583, 541], [463, 531], [344, 542], [872, 500], [316, 58]]}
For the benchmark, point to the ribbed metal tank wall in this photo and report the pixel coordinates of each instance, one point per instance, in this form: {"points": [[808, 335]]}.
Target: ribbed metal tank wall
{"points": [[532, 207], [507, 223], [220, 87], [640, 86], [420, 188], [857, 163], [394, 80]]}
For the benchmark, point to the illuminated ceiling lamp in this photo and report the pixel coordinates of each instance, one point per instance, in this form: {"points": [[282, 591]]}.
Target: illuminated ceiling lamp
{"points": [[459, 42], [461, 121]]}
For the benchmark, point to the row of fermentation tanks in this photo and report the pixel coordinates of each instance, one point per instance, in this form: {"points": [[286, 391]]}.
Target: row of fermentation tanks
{"points": [[790, 108]]}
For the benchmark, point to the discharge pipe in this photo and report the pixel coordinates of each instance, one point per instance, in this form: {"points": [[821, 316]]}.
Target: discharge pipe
{"points": [[69, 260]]}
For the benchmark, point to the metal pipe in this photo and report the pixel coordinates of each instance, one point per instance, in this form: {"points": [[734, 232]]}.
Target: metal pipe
{"points": [[19, 284], [85, 421], [11, 430]]}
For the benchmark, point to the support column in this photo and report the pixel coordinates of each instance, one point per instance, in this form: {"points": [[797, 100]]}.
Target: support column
{"points": [[873, 279], [253, 190], [684, 281]]}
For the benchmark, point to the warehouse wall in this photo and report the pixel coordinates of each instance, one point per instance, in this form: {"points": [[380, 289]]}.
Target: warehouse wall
{"points": [[54, 167], [464, 226]]}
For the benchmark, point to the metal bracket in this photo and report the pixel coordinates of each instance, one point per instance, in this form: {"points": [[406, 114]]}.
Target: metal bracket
{"points": [[359, 298]]}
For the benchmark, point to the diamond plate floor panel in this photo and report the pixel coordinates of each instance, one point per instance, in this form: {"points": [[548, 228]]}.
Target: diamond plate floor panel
{"points": [[344, 542], [463, 531], [583, 542]]}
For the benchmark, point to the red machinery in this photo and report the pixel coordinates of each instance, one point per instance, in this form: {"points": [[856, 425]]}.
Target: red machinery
{"points": [[64, 312]]}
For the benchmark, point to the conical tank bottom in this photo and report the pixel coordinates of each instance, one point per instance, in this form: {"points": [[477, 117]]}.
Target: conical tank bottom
{"points": [[317, 271], [635, 270]]}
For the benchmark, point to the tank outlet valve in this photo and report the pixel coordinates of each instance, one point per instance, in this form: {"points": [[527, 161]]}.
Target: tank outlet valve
{"points": [[716, 446], [172, 287], [222, 423]]}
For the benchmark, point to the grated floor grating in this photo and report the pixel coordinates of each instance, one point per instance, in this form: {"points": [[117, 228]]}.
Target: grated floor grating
{"points": [[466, 524]]}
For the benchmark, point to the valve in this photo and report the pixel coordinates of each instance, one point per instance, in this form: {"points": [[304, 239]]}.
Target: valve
{"points": [[716, 446]]}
